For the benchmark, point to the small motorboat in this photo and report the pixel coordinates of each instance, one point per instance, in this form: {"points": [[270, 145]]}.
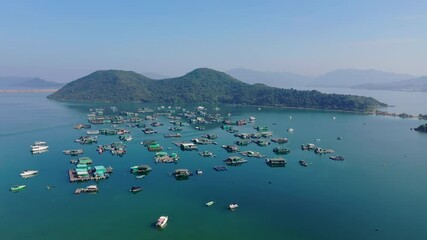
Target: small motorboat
{"points": [[337, 158], [17, 188], [199, 172], [140, 176], [135, 189], [162, 222], [233, 206], [28, 173], [210, 203]]}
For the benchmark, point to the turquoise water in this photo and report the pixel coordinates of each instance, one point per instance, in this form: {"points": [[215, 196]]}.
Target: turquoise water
{"points": [[376, 193]]}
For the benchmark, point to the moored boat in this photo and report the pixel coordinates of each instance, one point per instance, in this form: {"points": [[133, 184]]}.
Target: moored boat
{"points": [[162, 221], [209, 203]]}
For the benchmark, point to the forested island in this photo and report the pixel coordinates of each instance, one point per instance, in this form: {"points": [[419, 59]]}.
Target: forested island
{"points": [[421, 128], [202, 85]]}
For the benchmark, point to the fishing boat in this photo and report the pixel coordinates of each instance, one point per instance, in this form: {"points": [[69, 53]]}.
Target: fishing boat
{"points": [[303, 163], [276, 162], [135, 189], [88, 189], [28, 173], [17, 188], [235, 160], [140, 169], [233, 206], [73, 152], [39, 146], [337, 158], [162, 222], [210, 203], [207, 154]]}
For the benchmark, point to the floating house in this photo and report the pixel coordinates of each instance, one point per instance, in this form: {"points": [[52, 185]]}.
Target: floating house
{"points": [[188, 146], [235, 160], [181, 174], [281, 150], [276, 162], [154, 147]]}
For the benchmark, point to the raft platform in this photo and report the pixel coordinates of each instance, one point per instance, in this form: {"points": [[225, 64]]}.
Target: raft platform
{"points": [[72, 174]]}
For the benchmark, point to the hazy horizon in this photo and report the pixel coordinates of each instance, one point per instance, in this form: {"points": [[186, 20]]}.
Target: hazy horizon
{"points": [[62, 41]]}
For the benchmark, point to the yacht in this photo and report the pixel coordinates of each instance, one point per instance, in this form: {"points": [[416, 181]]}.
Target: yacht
{"points": [[28, 173], [39, 147], [162, 221]]}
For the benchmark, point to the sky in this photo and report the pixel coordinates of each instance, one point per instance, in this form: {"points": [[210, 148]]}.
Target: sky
{"points": [[64, 40]]}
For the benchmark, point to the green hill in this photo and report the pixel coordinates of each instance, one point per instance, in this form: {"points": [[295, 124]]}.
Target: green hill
{"points": [[200, 86]]}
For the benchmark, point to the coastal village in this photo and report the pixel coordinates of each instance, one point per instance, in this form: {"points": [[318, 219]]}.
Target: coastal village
{"points": [[148, 126]]}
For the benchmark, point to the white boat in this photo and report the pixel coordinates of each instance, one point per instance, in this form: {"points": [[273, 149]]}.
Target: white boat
{"points": [[290, 129], [210, 203], [39, 147], [140, 176], [162, 221], [252, 119], [233, 206], [28, 173]]}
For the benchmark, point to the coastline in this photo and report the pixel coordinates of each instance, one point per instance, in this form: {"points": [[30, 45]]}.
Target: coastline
{"points": [[26, 90]]}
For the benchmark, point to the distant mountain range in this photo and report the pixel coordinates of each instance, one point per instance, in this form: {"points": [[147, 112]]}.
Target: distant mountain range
{"points": [[344, 78], [154, 75], [273, 79], [414, 84], [27, 83], [202, 85], [352, 77]]}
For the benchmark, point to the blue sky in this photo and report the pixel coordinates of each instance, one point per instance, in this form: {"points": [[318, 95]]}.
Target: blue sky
{"points": [[63, 40]]}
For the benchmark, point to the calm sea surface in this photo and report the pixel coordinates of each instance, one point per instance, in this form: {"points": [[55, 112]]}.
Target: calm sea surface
{"points": [[378, 192]]}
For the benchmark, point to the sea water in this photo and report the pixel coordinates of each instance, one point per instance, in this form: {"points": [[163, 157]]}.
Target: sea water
{"points": [[377, 192]]}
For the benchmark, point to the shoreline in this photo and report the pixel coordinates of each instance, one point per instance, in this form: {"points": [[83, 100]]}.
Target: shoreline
{"points": [[26, 90]]}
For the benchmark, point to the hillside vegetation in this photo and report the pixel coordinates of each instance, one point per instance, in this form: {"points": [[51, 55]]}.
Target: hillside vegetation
{"points": [[200, 86]]}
